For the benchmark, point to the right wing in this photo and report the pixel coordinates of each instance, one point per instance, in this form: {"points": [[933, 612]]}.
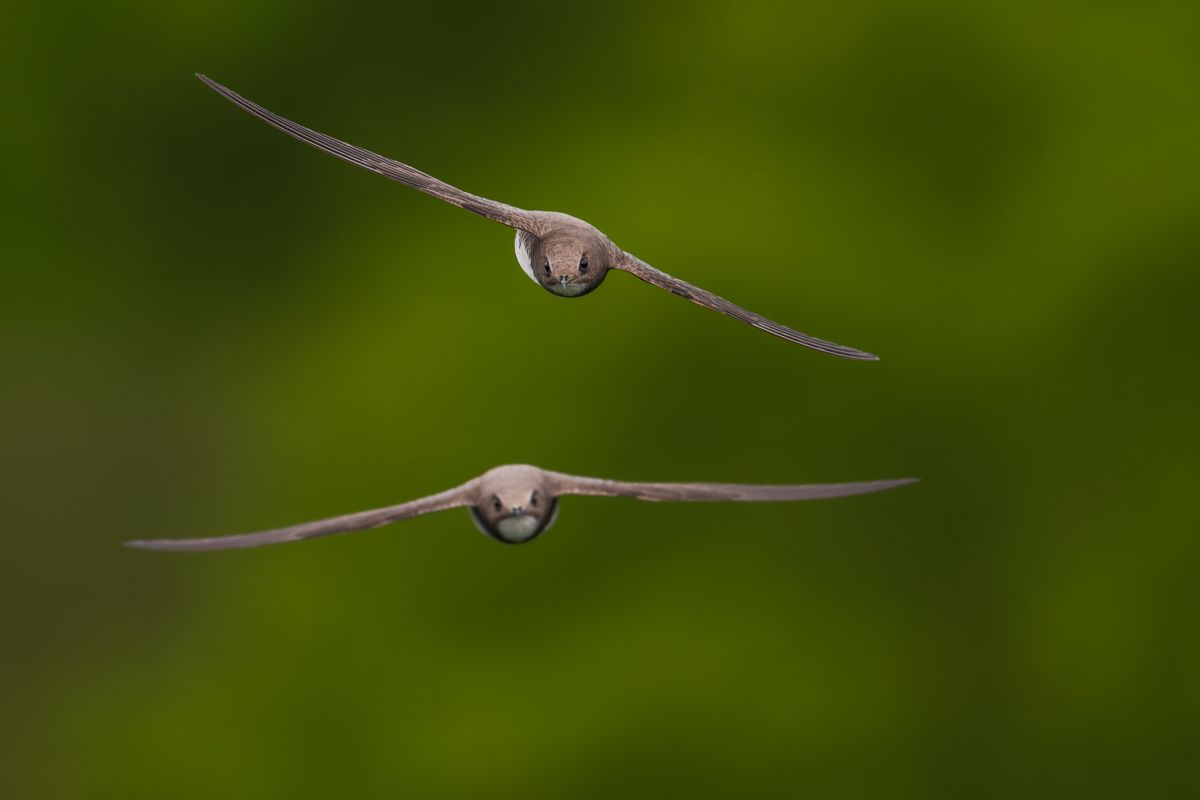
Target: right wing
{"points": [[388, 168], [453, 498]]}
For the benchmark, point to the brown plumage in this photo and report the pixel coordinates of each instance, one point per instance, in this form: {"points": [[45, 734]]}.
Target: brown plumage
{"points": [[516, 502], [562, 254]]}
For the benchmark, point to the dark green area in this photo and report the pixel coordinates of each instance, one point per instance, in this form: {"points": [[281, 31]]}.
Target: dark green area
{"points": [[206, 328]]}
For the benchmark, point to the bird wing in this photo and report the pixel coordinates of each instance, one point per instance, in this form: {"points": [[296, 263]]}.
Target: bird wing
{"points": [[500, 212], [452, 498], [717, 492], [633, 264]]}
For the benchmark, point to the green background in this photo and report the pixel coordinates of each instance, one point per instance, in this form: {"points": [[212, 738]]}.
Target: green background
{"points": [[209, 328]]}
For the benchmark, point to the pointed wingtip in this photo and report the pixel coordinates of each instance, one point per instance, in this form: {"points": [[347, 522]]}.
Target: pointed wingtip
{"points": [[210, 83], [887, 484], [834, 349], [150, 544], [839, 350]]}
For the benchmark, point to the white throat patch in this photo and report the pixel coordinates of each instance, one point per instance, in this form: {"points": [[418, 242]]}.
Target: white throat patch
{"points": [[518, 529]]}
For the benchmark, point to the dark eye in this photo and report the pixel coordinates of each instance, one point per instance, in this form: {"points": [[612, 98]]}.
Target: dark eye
{"points": [[496, 504], [583, 264], [546, 266], [533, 500]]}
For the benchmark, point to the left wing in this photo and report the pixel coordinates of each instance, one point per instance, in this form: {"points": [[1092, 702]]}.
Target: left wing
{"points": [[633, 264], [717, 492]]}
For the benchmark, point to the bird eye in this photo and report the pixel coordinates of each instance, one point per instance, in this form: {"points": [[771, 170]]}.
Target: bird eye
{"points": [[583, 264], [496, 504], [546, 266], [533, 500]]}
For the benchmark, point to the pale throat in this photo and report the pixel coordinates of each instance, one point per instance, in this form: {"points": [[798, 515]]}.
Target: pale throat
{"points": [[518, 528]]}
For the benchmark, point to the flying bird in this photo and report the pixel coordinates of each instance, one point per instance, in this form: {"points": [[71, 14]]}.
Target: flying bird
{"points": [[564, 255], [516, 502]]}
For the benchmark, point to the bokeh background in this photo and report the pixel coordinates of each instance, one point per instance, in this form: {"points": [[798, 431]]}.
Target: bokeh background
{"points": [[209, 328]]}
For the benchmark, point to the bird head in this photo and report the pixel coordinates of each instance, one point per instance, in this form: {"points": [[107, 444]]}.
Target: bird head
{"points": [[567, 267], [513, 505]]}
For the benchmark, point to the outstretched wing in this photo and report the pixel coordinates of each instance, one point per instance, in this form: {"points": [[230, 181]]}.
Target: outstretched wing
{"points": [[500, 212], [717, 492], [452, 498], [633, 264]]}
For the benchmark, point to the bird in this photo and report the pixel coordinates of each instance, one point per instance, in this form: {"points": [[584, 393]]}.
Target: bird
{"points": [[564, 255], [515, 503]]}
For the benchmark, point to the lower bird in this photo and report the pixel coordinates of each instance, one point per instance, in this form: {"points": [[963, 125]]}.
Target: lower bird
{"points": [[516, 502], [563, 254]]}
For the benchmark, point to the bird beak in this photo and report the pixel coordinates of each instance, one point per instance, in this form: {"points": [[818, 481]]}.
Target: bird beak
{"points": [[564, 280], [518, 511]]}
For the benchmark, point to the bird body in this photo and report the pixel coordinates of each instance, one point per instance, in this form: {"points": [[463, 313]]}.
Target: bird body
{"points": [[516, 502], [569, 259], [563, 254]]}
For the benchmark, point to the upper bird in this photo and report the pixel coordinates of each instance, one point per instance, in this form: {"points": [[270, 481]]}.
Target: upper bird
{"points": [[562, 254], [516, 502]]}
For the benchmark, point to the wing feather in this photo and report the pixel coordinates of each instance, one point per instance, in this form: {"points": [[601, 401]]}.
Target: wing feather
{"points": [[452, 498], [718, 492], [700, 297], [500, 212]]}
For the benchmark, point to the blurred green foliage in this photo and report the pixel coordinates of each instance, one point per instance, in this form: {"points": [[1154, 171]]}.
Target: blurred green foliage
{"points": [[209, 328]]}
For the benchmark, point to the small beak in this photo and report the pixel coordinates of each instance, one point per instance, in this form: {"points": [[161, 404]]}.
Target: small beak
{"points": [[564, 280], [518, 511]]}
